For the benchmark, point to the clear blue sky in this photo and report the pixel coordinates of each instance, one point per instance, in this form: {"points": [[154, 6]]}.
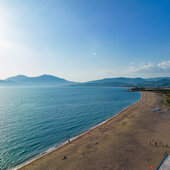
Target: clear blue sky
{"points": [[83, 40]]}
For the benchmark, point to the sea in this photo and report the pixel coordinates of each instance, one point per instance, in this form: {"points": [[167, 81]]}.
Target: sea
{"points": [[35, 120]]}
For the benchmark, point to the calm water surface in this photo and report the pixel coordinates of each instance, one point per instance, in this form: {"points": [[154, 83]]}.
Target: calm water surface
{"points": [[32, 119]]}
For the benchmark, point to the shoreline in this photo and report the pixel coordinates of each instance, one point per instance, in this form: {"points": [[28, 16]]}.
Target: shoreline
{"points": [[63, 144], [135, 133]]}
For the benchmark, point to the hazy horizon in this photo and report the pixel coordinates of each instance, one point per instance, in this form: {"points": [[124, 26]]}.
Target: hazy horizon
{"points": [[78, 81], [87, 40]]}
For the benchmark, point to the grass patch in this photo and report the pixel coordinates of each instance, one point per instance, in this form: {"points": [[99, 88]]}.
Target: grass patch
{"points": [[164, 92]]}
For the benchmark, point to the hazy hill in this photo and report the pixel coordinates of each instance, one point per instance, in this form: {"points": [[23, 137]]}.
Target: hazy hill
{"points": [[120, 79], [49, 80], [157, 78], [17, 78], [156, 83], [7, 83], [130, 82], [43, 80], [113, 84]]}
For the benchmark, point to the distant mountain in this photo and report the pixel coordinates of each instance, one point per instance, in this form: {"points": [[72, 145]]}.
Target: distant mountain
{"points": [[114, 84], [17, 78], [43, 80], [155, 83], [120, 79], [157, 78], [130, 82], [49, 80], [7, 83]]}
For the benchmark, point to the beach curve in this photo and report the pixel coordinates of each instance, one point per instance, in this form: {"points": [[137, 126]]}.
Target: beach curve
{"points": [[85, 146]]}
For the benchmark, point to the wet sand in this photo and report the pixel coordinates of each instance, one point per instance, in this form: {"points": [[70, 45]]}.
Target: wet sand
{"points": [[135, 139]]}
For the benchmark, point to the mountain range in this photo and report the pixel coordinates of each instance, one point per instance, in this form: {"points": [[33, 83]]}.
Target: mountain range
{"points": [[130, 82], [49, 80], [43, 80]]}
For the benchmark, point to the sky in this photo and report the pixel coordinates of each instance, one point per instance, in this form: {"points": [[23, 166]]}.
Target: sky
{"points": [[85, 40]]}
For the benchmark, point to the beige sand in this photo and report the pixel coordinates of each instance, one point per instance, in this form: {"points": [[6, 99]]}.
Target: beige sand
{"points": [[136, 139]]}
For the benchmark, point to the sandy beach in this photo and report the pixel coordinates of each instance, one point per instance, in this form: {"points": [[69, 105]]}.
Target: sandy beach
{"points": [[135, 139]]}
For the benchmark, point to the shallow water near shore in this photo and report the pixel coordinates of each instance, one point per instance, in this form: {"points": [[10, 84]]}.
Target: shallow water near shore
{"points": [[35, 119]]}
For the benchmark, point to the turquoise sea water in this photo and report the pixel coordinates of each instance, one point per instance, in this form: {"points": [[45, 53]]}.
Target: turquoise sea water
{"points": [[35, 119]]}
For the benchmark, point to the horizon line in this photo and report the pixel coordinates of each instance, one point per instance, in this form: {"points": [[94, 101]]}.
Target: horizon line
{"points": [[82, 81]]}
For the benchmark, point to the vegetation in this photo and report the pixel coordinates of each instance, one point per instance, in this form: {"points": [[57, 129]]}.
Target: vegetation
{"points": [[168, 98], [165, 92]]}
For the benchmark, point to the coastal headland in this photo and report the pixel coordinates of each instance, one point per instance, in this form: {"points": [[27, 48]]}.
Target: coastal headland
{"points": [[136, 139]]}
